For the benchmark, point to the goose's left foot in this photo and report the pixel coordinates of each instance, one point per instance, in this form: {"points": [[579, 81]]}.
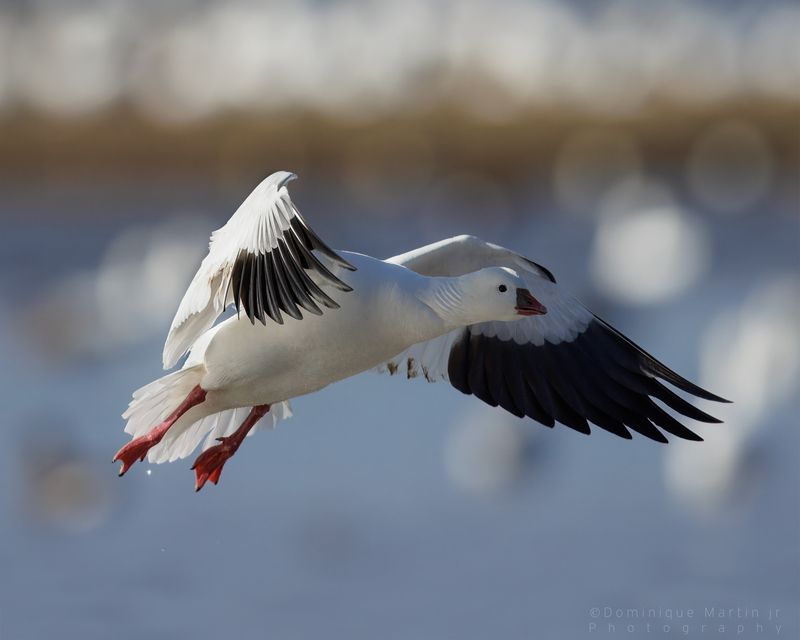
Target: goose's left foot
{"points": [[208, 466], [137, 449]]}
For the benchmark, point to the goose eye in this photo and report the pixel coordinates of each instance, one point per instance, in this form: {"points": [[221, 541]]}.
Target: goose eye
{"points": [[502, 288]]}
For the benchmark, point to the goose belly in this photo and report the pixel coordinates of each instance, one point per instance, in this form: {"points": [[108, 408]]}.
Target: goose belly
{"points": [[250, 364]]}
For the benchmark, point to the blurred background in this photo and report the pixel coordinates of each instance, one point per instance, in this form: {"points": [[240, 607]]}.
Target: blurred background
{"points": [[647, 153]]}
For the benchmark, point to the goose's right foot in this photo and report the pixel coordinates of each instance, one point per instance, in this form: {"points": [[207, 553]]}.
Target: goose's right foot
{"points": [[208, 466]]}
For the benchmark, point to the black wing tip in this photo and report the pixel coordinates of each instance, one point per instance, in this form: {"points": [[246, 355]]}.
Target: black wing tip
{"points": [[659, 369], [335, 257], [314, 243], [720, 399], [692, 388], [544, 270], [475, 361], [688, 435], [700, 416]]}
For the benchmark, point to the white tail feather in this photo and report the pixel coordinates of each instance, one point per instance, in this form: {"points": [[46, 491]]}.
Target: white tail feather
{"points": [[182, 440], [179, 443], [155, 401]]}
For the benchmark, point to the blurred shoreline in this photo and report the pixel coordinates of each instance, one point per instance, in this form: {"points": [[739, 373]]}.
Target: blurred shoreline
{"points": [[238, 148]]}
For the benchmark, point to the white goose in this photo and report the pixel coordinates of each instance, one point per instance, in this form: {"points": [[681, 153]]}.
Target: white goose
{"points": [[493, 323]]}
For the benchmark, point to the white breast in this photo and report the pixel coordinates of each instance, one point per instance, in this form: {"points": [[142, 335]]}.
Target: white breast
{"points": [[249, 364]]}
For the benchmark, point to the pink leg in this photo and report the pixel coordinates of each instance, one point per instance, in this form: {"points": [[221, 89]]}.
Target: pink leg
{"points": [[209, 464], [137, 448]]}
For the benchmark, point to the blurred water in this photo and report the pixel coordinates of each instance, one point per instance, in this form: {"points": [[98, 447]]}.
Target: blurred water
{"points": [[345, 522]]}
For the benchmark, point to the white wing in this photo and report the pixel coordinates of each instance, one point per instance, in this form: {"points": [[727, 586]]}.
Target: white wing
{"points": [[567, 365], [263, 261]]}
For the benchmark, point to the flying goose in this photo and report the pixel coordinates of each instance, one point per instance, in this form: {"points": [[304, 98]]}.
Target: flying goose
{"points": [[491, 322]]}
